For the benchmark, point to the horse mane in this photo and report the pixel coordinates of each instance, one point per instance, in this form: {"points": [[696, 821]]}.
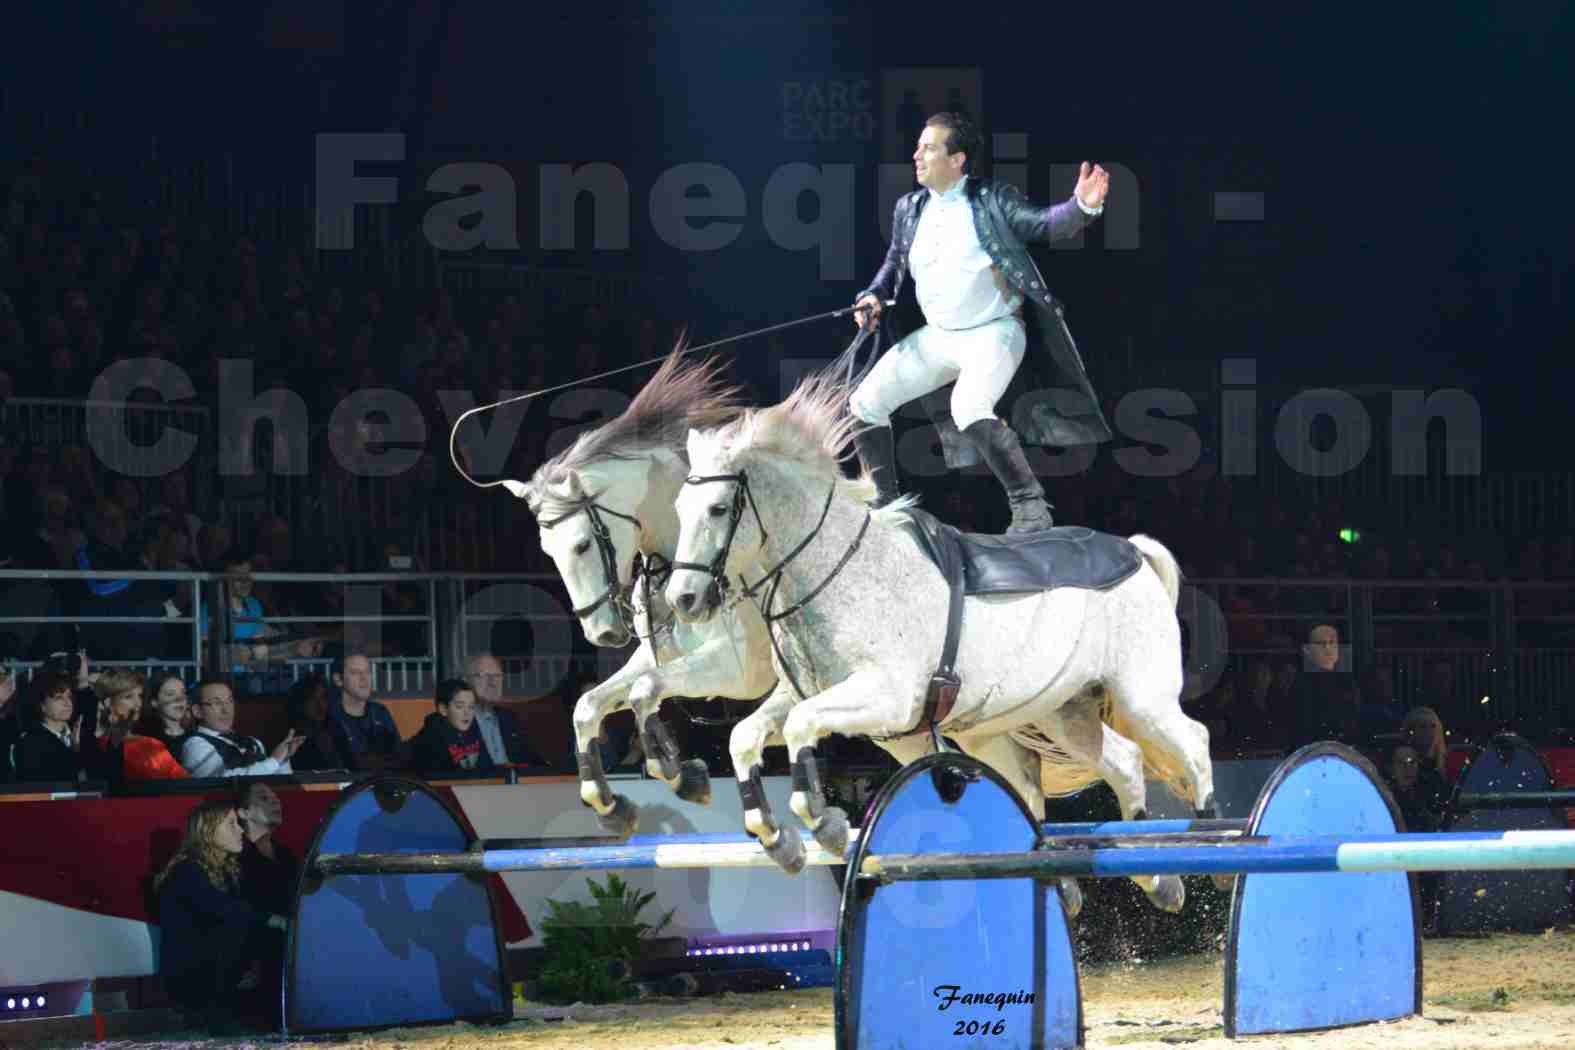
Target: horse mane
{"points": [[681, 395], [811, 427]]}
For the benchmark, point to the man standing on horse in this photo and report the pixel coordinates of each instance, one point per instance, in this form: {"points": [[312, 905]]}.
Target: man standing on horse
{"points": [[963, 237]]}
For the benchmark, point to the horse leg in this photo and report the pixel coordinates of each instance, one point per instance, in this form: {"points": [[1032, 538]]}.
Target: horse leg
{"points": [[1079, 730], [855, 706], [689, 779], [747, 745], [1019, 766], [615, 813]]}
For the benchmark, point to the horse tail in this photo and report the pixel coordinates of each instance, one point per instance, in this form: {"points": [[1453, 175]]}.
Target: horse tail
{"points": [[1162, 562]]}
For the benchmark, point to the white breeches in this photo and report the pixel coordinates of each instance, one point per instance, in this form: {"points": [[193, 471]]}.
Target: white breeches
{"points": [[981, 360]]}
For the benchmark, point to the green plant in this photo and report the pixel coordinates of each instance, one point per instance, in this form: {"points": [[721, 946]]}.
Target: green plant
{"points": [[584, 941]]}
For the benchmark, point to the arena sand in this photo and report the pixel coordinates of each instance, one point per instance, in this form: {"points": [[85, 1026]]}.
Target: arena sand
{"points": [[1505, 992]]}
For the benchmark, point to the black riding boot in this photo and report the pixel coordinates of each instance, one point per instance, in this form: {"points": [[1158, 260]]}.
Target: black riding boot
{"points": [[878, 456], [999, 446]]}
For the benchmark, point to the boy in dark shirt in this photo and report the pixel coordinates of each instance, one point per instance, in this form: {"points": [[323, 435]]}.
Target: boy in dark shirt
{"points": [[450, 740]]}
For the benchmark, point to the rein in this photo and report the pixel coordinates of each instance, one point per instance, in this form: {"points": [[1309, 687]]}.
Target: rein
{"points": [[773, 576], [609, 555]]}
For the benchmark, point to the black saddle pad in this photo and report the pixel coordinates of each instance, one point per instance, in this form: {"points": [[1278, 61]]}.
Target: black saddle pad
{"points": [[1065, 556]]}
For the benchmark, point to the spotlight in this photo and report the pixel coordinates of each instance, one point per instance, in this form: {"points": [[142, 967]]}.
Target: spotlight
{"points": [[41, 1001], [10, 1004], [25, 1002]]}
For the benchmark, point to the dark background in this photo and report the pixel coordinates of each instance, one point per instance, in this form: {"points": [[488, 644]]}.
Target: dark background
{"points": [[1413, 164]]}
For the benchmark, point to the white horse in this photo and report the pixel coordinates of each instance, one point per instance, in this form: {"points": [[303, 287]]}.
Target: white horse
{"points": [[1099, 673], [604, 508], [601, 505]]}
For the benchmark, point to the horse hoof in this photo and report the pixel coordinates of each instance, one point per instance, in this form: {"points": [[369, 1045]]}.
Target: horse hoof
{"points": [[788, 849], [621, 820], [1071, 898], [694, 782], [832, 832], [1168, 893]]}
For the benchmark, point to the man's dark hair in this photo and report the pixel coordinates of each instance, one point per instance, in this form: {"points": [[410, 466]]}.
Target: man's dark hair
{"points": [[963, 136], [213, 679], [346, 657]]}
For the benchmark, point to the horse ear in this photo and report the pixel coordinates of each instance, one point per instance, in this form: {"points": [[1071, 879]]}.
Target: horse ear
{"points": [[575, 486], [692, 443]]}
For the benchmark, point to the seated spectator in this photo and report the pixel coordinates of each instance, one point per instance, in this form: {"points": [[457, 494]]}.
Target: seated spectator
{"points": [[209, 934], [500, 729], [369, 734], [10, 722], [1262, 720], [268, 868], [1382, 711], [1420, 791], [308, 704], [49, 748], [1324, 701], [449, 741], [1424, 732], [161, 732], [169, 716], [214, 750], [119, 696]]}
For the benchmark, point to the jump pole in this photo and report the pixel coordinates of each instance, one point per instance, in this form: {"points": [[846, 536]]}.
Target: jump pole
{"points": [[1461, 851]]}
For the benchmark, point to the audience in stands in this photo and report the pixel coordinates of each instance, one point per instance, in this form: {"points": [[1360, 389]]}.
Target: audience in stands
{"points": [[10, 723], [1424, 733], [449, 740], [1420, 791], [119, 694], [500, 729], [268, 867], [323, 746], [49, 748], [168, 716], [369, 734], [214, 750], [210, 934], [1324, 700]]}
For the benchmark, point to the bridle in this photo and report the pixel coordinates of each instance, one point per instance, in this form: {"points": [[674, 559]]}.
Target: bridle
{"points": [[717, 569], [619, 596]]}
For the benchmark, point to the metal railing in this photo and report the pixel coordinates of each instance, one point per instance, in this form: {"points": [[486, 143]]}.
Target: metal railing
{"points": [[415, 627], [1481, 651]]}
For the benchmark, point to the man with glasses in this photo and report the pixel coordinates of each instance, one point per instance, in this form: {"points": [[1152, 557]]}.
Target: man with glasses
{"points": [[215, 750], [500, 729]]}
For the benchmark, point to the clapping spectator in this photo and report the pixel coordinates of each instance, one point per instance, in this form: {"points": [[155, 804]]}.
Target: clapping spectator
{"points": [[209, 933], [449, 741], [119, 695], [214, 750]]}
